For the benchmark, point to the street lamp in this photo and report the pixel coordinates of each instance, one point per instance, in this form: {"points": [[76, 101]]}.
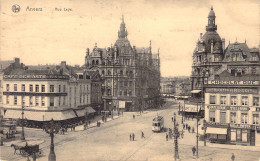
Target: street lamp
{"points": [[22, 137], [176, 136], [52, 129]]}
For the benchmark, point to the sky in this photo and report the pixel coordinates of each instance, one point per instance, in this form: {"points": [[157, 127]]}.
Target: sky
{"points": [[50, 36]]}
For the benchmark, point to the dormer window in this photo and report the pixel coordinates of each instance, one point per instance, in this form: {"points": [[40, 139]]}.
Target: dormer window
{"points": [[81, 76]]}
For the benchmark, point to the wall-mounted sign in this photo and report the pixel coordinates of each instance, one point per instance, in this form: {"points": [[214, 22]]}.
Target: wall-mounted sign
{"points": [[243, 126], [234, 108], [232, 82], [51, 76], [232, 90]]}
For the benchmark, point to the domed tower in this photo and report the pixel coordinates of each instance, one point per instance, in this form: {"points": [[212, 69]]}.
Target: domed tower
{"points": [[207, 54]]}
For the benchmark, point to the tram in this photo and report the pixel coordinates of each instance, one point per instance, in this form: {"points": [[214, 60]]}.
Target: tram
{"points": [[158, 124]]}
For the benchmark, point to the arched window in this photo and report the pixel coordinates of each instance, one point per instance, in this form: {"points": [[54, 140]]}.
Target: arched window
{"points": [[103, 72]]}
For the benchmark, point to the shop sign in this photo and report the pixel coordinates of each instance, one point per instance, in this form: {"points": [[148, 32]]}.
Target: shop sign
{"points": [[243, 126], [217, 124], [234, 108], [219, 82], [51, 76], [232, 90]]}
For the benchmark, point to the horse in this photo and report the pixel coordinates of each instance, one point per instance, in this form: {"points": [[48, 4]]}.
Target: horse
{"points": [[16, 147]]}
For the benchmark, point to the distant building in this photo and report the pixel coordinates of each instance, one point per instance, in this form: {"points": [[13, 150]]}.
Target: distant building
{"points": [[167, 86], [131, 75], [232, 110], [47, 92]]}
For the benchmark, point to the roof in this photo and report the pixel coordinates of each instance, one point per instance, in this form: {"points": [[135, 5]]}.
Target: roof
{"points": [[158, 118], [4, 64], [226, 76], [212, 13], [234, 47]]}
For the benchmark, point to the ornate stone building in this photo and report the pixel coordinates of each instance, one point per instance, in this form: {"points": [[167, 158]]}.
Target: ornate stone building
{"points": [[131, 75], [211, 57]]}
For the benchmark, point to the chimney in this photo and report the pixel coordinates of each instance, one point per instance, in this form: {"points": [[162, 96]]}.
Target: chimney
{"points": [[200, 35], [223, 44], [17, 63], [63, 64]]}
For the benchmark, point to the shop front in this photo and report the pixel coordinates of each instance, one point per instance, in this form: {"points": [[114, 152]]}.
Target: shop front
{"points": [[242, 134], [217, 133]]}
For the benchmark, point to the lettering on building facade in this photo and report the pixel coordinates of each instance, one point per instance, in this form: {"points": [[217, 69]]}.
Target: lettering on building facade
{"points": [[232, 82], [234, 108], [232, 90]]}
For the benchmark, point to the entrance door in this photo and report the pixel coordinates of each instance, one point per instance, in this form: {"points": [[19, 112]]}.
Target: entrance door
{"points": [[252, 138], [239, 134]]}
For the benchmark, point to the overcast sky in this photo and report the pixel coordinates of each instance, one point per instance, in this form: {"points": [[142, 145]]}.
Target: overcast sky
{"points": [[173, 26]]}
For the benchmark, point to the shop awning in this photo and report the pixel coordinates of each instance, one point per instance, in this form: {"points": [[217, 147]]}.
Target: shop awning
{"points": [[40, 115], [90, 110], [195, 91], [87, 110], [211, 130]]}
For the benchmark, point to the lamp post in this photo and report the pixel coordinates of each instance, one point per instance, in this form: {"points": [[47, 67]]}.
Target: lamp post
{"points": [[176, 136], [52, 129], [204, 129], [197, 141], [22, 137]]}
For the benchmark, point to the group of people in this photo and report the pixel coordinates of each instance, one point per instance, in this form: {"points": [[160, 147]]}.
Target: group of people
{"points": [[132, 136], [188, 127]]}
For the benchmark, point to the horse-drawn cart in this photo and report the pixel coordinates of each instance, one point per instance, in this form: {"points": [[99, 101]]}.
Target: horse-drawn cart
{"points": [[27, 150]]}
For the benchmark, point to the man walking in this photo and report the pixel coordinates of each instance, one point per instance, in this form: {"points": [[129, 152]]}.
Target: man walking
{"points": [[133, 137], [166, 137], [130, 137], [193, 150], [143, 135]]}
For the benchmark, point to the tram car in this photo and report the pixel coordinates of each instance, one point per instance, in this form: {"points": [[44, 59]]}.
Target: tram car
{"points": [[158, 124]]}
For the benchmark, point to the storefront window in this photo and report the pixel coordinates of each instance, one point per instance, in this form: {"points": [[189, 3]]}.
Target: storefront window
{"points": [[222, 137], [223, 100], [243, 118], [255, 101], [212, 116], [255, 119], [244, 101], [233, 100], [233, 117], [212, 99], [244, 135]]}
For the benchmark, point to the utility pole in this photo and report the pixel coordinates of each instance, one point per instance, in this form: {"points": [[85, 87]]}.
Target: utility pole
{"points": [[22, 137], [176, 135], [197, 143]]}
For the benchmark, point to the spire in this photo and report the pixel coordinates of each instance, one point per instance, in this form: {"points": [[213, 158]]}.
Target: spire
{"points": [[211, 21], [122, 33]]}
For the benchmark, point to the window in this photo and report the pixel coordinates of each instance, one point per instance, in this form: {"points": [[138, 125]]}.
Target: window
{"points": [[64, 88], [31, 88], [43, 101], [15, 87], [51, 101], [125, 93], [81, 76], [51, 88], [223, 100], [212, 116], [15, 100], [36, 88], [23, 87], [7, 99], [233, 117], [7, 87], [243, 118], [125, 83], [43, 88], [120, 93], [23, 100], [36, 101], [130, 83], [255, 101], [59, 88], [130, 93], [222, 117], [59, 101], [244, 101], [255, 119], [212, 99], [31, 100], [64, 100], [233, 100]]}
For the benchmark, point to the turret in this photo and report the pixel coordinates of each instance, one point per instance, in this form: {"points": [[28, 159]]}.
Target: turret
{"points": [[211, 21], [122, 33]]}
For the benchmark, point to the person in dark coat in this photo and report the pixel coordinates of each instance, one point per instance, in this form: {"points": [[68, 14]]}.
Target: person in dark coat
{"points": [[133, 137], [143, 135], [193, 150], [130, 137], [167, 137]]}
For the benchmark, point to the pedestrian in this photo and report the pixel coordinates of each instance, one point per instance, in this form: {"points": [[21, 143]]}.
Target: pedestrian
{"points": [[89, 123], [186, 126], [172, 119], [133, 116], [166, 137], [233, 157], [130, 137], [182, 134], [143, 135], [193, 130], [183, 126], [133, 136], [193, 150], [189, 129]]}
